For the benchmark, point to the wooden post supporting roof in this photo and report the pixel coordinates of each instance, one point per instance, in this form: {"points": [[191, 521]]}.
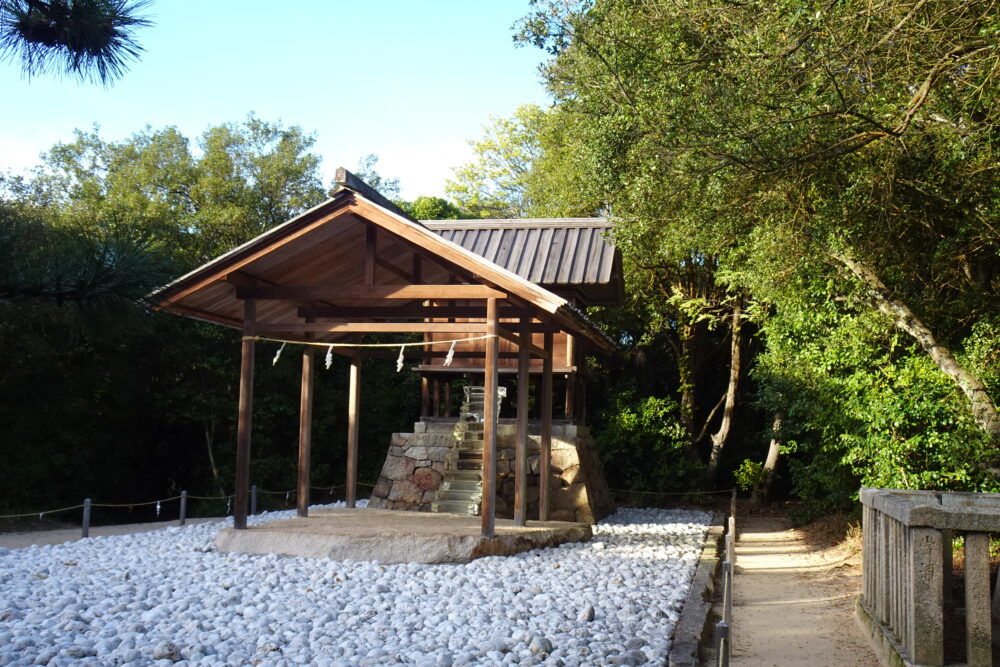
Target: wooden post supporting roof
{"points": [[245, 419], [545, 464], [521, 437], [305, 431], [488, 506], [353, 422]]}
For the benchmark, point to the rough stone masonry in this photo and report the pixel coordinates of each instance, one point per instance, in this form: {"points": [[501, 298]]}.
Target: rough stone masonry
{"points": [[414, 469]]}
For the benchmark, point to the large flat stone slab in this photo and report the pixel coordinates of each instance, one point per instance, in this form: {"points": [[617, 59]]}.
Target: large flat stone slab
{"points": [[395, 537]]}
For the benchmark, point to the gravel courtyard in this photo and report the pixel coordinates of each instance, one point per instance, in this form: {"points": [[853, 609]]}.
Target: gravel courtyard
{"points": [[168, 598]]}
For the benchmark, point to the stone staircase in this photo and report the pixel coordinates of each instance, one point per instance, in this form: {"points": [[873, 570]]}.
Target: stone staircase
{"points": [[461, 490]]}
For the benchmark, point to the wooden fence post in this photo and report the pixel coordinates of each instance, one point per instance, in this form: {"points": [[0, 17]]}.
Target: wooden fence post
{"points": [[182, 516], [85, 529], [253, 499]]}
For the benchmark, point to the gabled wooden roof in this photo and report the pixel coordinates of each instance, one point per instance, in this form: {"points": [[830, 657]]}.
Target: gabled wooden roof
{"points": [[352, 252], [569, 256]]}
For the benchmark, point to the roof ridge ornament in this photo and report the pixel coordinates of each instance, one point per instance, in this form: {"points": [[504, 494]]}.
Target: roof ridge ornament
{"points": [[346, 180]]}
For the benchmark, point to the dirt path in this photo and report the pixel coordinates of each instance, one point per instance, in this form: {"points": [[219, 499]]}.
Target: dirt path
{"points": [[43, 537], [794, 600]]}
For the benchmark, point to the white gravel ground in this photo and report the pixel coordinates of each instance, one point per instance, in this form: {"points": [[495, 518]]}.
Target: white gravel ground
{"points": [[168, 598]]}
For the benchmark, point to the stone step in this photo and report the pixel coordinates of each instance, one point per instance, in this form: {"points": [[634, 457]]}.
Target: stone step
{"points": [[463, 476], [474, 496], [455, 507], [462, 485], [470, 453], [470, 464]]}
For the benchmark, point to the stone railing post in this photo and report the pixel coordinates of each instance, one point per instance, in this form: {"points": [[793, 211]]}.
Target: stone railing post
{"points": [[926, 617]]}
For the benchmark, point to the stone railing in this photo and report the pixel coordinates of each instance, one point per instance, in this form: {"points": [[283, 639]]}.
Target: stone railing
{"points": [[907, 561]]}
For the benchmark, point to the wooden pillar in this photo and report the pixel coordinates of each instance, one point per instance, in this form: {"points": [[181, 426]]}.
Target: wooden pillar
{"points": [[353, 409], [545, 464], [570, 377], [244, 421], [447, 398], [488, 507], [521, 441], [436, 400], [305, 430], [425, 396]]}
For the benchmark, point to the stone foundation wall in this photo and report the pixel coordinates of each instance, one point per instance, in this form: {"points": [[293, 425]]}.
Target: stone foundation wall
{"points": [[413, 471]]}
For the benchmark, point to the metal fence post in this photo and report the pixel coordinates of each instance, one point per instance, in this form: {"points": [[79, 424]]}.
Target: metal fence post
{"points": [[184, 506], [85, 529], [253, 499], [722, 644]]}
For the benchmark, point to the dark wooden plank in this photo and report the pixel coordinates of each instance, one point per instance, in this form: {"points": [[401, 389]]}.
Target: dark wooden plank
{"points": [[245, 417], [488, 507], [521, 437], [545, 463], [270, 292], [353, 424]]}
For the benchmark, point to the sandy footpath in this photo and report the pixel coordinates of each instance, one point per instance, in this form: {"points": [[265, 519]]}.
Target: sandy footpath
{"points": [[43, 537], [794, 602]]}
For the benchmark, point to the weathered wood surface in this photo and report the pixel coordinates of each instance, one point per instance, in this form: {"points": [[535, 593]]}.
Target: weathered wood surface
{"points": [[545, 444], [521, 437], [245, 416], [488, 506], [353, 425], [305, 430]]}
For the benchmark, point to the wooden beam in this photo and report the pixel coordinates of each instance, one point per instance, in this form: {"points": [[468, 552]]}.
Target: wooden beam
{"points": [[392, 268], [371, 241], [374, 292], [521, 437], [518, 339], [305, 430], [372, 327], [545, 462], [353, 423], [414, 311], [245, 418], [488, 507]]}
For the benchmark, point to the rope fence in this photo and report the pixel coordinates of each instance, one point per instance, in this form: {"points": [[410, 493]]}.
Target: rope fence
{"points": [[87, 505], [723, 629]]}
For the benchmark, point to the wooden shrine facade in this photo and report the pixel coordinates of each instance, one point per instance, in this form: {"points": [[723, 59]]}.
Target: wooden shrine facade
{"points": [[570, 257], [357, 265]]}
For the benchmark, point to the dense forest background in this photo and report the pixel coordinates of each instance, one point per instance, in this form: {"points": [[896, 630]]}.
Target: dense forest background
{"points": [[805, 196]]}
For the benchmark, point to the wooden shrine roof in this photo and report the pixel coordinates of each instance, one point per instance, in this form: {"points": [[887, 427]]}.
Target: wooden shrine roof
{"points": [[569, 256], [351, 256]]}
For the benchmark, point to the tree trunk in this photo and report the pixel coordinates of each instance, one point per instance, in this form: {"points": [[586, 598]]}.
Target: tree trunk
{"points": [[209, 441], [686, 359], [725, 426], [984, 412], [762, 490]]}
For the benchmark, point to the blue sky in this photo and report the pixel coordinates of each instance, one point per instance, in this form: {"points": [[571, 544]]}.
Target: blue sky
{"points": [[407, 80]]}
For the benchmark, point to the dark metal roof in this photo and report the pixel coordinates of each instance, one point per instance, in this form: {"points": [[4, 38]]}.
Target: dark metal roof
{"points": [[559, 253]]}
